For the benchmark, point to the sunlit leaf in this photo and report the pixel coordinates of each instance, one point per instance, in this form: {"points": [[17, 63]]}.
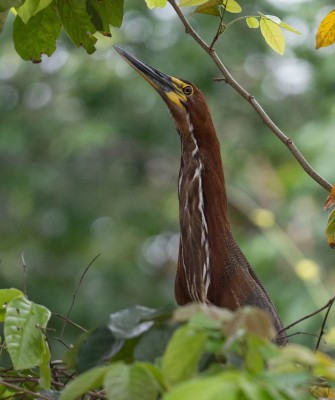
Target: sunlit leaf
{"points": [[38, 36], [232, 6], [156, 3], [186, 346], [330, 201], [289, 27], [30, 8], [189, 3], [5, 296], [325, 35], [252, 22], [330, 231], [89, 380], [273, 35], [24, 322]]}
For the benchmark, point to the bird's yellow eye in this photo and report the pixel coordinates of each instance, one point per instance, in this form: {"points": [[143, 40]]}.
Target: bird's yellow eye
{"points": [[188, 90]]}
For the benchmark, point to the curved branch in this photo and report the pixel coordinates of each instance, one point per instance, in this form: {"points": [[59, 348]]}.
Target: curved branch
{"points": [[230, 80]]}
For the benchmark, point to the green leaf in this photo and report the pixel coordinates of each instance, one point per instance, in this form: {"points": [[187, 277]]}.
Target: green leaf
{"points": [[135, 382], [273, 35], [30, 8], [97, 348], [77, 23], [232, 6], [38, 36], [190, 3], [186, 346], [156, 3], [45, 371], [3, 17], [104, 13], [5, 296], [252, 22], [85, 382], [131, 322], [330, 231], [222, 386], [289, 28], [209, 8], [23, 332], [5, 5]]}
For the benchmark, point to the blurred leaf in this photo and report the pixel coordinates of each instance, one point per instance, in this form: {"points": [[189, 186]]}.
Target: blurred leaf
{"points": [[97, 348], [289, 27], [325, 35], [45, 371], [325, 366], [252, 22], [7, 4], [330, 201], [38, 36], [189, 3], [3, 17], [156, 3], [323, 392], [273, 35], [330, 231], [186, 346], [222, 386], [77, 23], [105, 13], [23, 332], [5, 296], [209, 8], [232, 6], [186, 313], [85, 382], [30, 8], [126, 324], [130, 382]]}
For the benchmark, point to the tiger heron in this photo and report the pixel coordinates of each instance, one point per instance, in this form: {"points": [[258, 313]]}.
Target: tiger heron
{"points": [[211, 266]]}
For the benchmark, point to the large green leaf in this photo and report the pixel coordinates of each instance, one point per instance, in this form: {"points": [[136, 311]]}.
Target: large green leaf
{"points": [[30, 8], [77, 23], [104, 13], [85, 382], [182, 354], [5, 296], [135, 382], [38, 36], [23, 327]]}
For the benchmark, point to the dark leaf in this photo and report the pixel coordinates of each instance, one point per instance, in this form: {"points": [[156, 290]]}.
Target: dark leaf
{"points": [[7, 4]]}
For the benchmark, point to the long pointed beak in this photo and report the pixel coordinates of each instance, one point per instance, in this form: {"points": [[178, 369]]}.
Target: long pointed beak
{"points": [[161, 82]]}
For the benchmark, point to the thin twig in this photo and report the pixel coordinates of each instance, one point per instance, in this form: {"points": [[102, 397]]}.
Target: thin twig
{"points": [[69, 321], [252, 101], [24, 279], [322, 330], [329, 304], [22, 390], [75, 294]]}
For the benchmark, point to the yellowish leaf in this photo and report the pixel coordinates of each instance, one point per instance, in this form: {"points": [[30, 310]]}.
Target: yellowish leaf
{"points": [[232, 6], [330, 201], [288, 27], [273, 35], [156, 3], [330, 231], [325, 35], [190, 3], [325, 393], [252, 22]]}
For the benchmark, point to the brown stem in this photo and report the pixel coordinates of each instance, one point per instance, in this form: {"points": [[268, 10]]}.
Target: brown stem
{"points": [[228, 78], [322, 330], [22, 390]]}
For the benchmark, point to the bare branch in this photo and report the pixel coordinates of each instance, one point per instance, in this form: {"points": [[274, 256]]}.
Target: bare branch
{"points": [[24, 279], [228, 78], [322, 330], [22, 390], [75, 294]]}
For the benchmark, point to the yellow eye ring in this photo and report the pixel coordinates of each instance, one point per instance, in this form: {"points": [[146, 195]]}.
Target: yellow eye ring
{"points": [[188, 90]]}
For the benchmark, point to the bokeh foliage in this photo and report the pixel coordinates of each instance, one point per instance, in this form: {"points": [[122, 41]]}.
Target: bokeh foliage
{"points": [[89, 163]]}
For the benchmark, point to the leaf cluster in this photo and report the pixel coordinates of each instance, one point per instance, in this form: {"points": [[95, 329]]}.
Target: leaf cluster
{"points": [[195, 351]]}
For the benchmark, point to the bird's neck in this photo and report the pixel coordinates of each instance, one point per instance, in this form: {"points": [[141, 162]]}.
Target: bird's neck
{"points": [[202, 207]]}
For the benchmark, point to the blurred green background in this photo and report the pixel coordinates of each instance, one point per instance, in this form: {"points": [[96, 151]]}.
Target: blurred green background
{"points": [[89, 161]]}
